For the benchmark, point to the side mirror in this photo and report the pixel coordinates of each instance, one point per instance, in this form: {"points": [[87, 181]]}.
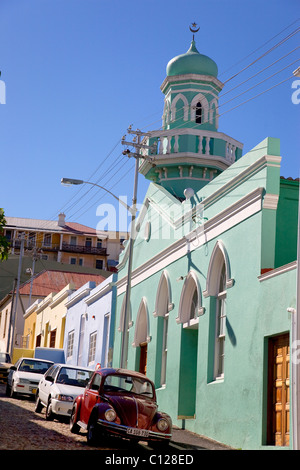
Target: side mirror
{"points": [[13, 368], [49, 378]]}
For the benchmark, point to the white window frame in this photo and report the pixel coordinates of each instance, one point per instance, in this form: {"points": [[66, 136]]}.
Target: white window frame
{"points": [[70, 344], [164, 351], [92, 348], [220, 330]]}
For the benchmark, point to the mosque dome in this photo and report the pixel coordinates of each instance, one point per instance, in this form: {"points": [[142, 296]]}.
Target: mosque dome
{"points": [[192, 62]]}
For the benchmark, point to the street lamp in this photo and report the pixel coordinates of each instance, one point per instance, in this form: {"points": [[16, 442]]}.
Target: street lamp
{"points": [[72, 181]]}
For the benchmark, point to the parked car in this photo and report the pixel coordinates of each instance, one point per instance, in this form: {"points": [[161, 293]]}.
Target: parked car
{"points": [[58, 388], [24, 376], [5, 365], [122, 403]]}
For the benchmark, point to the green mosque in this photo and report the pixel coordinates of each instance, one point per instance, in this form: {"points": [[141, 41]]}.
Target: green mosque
{"points": [[214, 271]]}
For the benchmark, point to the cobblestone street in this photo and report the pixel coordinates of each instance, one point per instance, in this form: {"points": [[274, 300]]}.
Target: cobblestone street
{"points": [[23, 429]]}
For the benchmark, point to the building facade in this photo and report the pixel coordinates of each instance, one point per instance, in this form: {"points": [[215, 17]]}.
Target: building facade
{"points": [[213, 279], [66, 242], [18, 313], [90, 323]]}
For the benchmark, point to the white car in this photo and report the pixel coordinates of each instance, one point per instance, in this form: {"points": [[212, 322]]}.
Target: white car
{"points": [[24, 377], [59, 387]]}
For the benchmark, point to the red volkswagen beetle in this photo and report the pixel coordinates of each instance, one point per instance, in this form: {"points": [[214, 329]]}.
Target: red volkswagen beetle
{"points": [[122, 403]]}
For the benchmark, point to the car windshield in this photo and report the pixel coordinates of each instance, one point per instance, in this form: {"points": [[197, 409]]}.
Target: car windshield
{"points": [[4, 357], [35, 366], [127, 383], [76, 377]]}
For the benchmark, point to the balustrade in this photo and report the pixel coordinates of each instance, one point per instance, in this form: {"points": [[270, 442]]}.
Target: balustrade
{"points": [[169, 142]]}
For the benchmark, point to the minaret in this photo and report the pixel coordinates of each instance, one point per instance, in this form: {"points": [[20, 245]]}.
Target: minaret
{"points": [[190, 149]]}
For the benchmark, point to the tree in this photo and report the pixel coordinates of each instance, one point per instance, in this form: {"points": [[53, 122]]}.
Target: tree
{"points": [[4, 243]]}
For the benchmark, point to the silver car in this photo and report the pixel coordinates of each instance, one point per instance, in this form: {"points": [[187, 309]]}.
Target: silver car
{"points": [[59, 387], [24, 377]]}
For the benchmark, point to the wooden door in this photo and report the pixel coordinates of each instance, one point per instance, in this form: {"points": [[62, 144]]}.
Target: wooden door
{"points": [[143, 358], [279, 391]]}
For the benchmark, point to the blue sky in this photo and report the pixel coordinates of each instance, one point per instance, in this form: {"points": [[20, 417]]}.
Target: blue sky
{"points": [[78, 72]]}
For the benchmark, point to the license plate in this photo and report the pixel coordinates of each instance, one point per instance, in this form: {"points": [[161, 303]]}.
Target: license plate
{"points": [[32, 390], [138, 432]]}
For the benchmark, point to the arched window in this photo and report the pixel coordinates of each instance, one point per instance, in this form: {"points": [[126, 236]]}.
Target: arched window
{"points": [[162, 307], [198, 113], [190, 302], [220, 324]]}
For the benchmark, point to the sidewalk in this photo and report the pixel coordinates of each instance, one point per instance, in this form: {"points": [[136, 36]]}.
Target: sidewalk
{"points": [[189, 438]]}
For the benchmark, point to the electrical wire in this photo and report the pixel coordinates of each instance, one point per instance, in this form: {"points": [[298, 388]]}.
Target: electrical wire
{"points": [[66, 205], [260, 47]]}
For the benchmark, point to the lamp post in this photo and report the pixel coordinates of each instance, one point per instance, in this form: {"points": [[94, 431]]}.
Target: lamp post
{"points": [[72, 181]]}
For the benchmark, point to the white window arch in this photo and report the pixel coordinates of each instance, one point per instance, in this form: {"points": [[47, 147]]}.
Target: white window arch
{"points": [[178, 97], [163, 305], [219, 255], [166, 113], [214, 113], [200, 98], [122, 313], [190, 305], [141, 333], [217, 282], [163, 302]]}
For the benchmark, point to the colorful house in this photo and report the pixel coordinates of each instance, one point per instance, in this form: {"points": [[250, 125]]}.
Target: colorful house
{"points": [[90, 323], [18, 326], [213, 280]]}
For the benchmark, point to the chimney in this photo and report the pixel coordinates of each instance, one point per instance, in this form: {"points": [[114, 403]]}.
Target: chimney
{"points": [[61, 220]]}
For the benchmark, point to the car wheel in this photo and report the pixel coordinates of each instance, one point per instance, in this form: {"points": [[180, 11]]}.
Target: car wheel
{"points": [[92, 433], [49, 413], [74, 427], [38, 404]]}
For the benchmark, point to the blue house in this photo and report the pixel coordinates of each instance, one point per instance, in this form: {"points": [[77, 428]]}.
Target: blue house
{"points": [[90, 322]]}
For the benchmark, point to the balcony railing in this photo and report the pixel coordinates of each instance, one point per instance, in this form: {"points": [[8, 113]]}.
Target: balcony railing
{"points": [[90, 250], [67, 247]]}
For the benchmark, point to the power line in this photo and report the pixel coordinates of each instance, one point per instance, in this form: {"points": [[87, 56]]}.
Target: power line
{"points": [[263, 55], [260, 47]]}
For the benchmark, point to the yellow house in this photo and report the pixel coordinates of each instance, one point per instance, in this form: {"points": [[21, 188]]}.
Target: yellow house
{"points": [[50, 314], [30, 324]]}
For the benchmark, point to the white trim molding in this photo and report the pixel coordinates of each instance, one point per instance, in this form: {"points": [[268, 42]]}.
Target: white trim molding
{"points": [[270, 201], [141, 333], [191, 282], [218, 256], [164, 281], [277, 271], [212, 228]]}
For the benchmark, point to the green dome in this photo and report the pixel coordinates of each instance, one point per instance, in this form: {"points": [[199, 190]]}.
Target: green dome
{"points": [[192, 62]]}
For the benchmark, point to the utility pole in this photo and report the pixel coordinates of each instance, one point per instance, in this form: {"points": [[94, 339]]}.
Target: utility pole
{"points": [[136, 143], [13, 318], [35, 257]]}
